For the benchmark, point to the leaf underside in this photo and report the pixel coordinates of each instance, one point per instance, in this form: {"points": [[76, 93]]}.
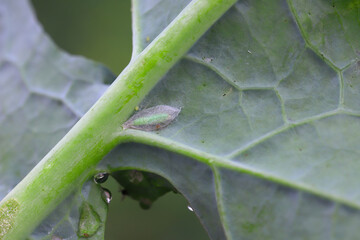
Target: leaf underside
{"points": [[43, 93], [270, 112], [270, 115]]}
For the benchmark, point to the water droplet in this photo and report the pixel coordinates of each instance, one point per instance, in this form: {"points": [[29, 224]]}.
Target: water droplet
{"points": [[190, 208], [101, 177], [106, 195]]}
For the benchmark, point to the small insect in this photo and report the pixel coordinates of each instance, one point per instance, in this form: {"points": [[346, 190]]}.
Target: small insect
{"points": [[147, 39], [208, 59], [152, 119], [228, 91]]}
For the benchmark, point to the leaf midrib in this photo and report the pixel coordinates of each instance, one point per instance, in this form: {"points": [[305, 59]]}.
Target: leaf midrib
{"points": [[215, 161]]}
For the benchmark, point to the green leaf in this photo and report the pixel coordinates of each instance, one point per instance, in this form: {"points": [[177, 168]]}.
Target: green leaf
{"points": [[266, 144], [64, 170], [81, 215], [43, 92]]}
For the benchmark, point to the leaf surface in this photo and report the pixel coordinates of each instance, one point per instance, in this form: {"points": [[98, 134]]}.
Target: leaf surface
{"points": [[81, 215], [43, 92], [266, 144]]}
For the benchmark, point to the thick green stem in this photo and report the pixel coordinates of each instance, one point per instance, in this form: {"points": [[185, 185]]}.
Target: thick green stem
{"points": [[74, 158]]}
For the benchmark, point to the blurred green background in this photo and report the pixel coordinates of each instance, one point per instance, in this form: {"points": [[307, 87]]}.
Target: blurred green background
{"points": [[101, 30]]}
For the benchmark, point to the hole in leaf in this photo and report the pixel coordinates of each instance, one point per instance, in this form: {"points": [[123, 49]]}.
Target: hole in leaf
{"points": [[167, 218]]}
